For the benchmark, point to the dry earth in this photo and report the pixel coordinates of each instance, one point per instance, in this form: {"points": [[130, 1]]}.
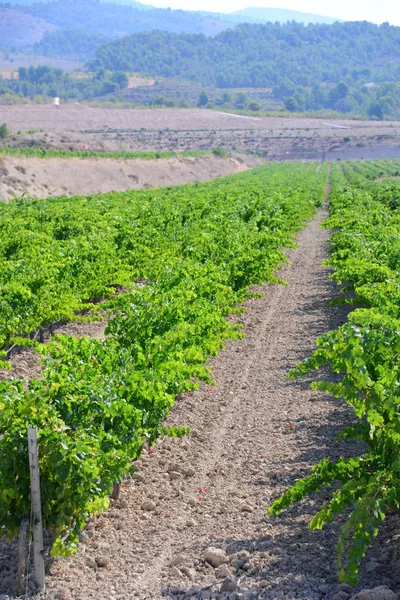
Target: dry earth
{"points": [[80, 126], [79, 117], [19, 29], [252, 434], [42, 178]]}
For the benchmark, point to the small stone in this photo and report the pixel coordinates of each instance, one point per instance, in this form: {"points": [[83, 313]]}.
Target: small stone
{"points": [[325, 588], [341, 596], [148, 505], [223, 572], [178, 560], [190, 472], [61, 594], [246, 508], [379, 593], [371, 566], [215, 557], [263, 583], [191, 523], [174, 467], [237, 563], [122, 504], [102, 561], [91, 563], [4, 597], [175, 572], [190, 573], [173, 475], [229, 585], [345, 587]]}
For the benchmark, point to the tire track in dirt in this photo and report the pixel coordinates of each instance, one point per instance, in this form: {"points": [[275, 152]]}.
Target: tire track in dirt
{"points": [[251, 436]]}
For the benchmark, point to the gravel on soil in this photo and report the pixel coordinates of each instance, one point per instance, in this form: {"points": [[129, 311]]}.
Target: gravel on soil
{"points": [[192, 523]]}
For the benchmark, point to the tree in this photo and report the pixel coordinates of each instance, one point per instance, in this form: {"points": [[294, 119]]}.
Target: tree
{"points": [[381, 107], [203, 99], [375, 110], [291, 104], [4, 131], [241, 100]]}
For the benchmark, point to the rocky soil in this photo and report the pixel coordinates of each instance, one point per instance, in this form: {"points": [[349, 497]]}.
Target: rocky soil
{"points": [[191, 523]]}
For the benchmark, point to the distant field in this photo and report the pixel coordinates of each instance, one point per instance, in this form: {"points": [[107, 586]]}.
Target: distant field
{"points": [[80, 127], [76, 117]]}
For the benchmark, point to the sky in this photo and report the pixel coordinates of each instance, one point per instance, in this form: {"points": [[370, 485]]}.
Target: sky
{"points": [[377, 11]]}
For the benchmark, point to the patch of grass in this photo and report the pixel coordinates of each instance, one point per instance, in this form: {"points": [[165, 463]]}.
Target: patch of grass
{"points": [[53, 153]]}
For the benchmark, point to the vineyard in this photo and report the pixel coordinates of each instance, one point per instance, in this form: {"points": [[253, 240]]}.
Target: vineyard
{"points": [[193, 253], [170, 271]]}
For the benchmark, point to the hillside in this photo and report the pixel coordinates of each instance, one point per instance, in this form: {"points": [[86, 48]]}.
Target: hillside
{"points": [[20, 29], [265, 15], [116, 18], [263, 55]]}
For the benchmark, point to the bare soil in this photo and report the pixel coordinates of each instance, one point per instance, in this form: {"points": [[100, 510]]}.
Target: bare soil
{"points": [[252, 435], [278, 138], [42, 178]]}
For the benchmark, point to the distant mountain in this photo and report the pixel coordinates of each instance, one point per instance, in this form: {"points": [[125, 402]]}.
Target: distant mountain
{"points": [[115, 19], [131, 3], [280, 15], [24, 23]]}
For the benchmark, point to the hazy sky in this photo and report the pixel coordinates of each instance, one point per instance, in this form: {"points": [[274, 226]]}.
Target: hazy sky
{"points": [[377, 11]]}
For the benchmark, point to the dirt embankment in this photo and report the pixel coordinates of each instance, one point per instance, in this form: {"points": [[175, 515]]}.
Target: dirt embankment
{"points": [[42, 178]]}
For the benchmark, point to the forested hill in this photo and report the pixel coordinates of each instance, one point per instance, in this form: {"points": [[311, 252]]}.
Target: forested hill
{"points": [[25, 21], [263, 55]]}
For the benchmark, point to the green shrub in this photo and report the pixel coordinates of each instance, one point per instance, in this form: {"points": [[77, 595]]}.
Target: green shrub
{"points": [[221, 152], [4, 131]]}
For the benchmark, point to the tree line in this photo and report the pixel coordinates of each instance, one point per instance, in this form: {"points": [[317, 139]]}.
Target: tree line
{"points": [[51, 82]]}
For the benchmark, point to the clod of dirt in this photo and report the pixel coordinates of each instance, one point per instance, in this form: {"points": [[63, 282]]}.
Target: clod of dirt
{"points": [[215, 557], [102, 561], [229, 585], [149, 505], [379, 593]]}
